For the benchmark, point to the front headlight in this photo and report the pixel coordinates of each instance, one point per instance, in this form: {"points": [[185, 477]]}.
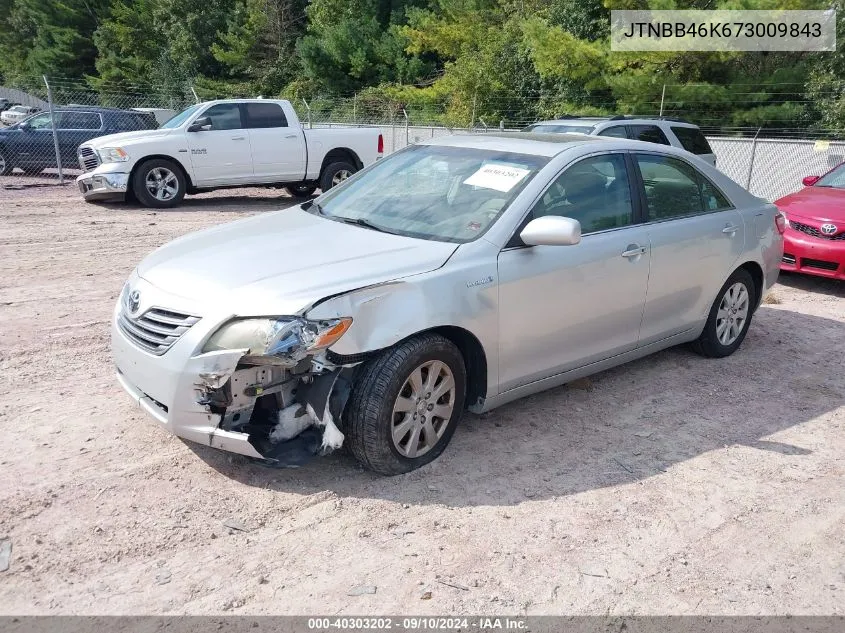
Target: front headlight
{"points": [[293, 336], [113, 155]]}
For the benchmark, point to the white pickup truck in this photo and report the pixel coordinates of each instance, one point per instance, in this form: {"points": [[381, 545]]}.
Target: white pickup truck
{"points": [[220, 144]]}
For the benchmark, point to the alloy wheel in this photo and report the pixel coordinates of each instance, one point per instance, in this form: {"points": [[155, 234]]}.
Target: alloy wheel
{"points": [[340, 176], [732, 313], [162, 183], [423, 409]]}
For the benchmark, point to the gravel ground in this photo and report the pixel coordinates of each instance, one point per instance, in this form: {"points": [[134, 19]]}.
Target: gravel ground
{"points": [[673, 485]]}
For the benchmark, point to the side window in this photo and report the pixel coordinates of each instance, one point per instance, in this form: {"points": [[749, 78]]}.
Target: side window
{"points": [[671, 187], [692, 140], [617, 131], [224, 116], [593, 191], [264, 115], [649, 133], [714, 200], [40, 122], [78, 121]]}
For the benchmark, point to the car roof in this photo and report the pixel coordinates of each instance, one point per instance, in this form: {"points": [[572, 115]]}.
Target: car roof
{"points": [[517, 142], [617, 120], [99, 109]]}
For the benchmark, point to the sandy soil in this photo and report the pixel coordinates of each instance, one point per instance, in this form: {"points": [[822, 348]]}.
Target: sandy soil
{"points": [[672, 485]]}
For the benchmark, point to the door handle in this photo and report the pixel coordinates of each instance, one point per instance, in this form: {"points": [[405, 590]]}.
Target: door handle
{"points": [[238, 138], [634, 251], [730, 229], [291, 136]]}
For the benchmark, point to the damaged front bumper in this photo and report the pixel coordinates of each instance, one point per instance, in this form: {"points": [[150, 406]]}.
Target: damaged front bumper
{"points": [[103, 185], [277, 409]]}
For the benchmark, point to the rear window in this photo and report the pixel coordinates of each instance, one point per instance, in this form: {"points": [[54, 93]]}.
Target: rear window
{"points": [[692, 140], [264, 115]]}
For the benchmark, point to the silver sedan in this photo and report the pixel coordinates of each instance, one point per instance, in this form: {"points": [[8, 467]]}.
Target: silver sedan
{"points": [[457, 274]]}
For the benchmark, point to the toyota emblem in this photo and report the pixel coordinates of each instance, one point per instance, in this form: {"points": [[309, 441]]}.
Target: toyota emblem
{"points": [[134, 301], [828, 229]]}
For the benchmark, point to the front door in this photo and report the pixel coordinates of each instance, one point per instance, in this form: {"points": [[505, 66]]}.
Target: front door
{"points": [[696, 238], [562, 307], [221, 154]]}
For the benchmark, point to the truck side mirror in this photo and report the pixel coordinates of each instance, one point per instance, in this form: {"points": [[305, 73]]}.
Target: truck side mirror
{"points": [[202, 124]]}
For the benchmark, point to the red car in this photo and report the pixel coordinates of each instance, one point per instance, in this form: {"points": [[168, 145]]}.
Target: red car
{"points": [[814, 241]]}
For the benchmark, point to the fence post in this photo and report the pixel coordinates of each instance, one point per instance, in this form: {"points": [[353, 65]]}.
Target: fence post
{"points": [[354, 108], [308, 110], [662, 97], [751, 162], [196, 96], [55, 133], [474, 104], [407, 131]]}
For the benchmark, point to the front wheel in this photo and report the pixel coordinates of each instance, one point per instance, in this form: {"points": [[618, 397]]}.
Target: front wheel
{"points": [[159, 183], [729, 318], [5, 165], [405, 404], [335, 173]]}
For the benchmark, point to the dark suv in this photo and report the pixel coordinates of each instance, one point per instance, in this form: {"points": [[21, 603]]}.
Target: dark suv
{"points": [[29, 146]]}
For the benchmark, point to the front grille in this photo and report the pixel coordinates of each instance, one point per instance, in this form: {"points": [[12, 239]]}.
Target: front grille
{"points": [[156, 330], [788, 259], [811, 230], [818, 263], [88, 159]]}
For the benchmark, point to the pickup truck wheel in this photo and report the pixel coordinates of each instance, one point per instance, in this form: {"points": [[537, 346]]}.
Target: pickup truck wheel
{"points": [[159, 183], [335, 173], [405, 404], [5, 166], [301, 191]]}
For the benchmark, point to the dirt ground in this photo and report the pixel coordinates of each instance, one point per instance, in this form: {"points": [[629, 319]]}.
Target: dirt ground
{"points": [[673, 485]]}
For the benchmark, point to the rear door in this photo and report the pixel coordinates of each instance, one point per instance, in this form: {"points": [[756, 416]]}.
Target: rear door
{"points": [[221, 155], [278, 150], [696, 238]]}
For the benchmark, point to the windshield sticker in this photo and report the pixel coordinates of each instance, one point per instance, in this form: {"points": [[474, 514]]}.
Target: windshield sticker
{"points": [[498, 176]]}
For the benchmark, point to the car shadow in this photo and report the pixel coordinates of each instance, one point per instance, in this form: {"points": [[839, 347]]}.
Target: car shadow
{"points": [[811, 283], [229, 204], [618, 427]]}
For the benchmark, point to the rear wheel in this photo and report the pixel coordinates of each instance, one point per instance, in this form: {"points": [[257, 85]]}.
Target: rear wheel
{"points": [[336, 173], [159, 183], [729, 318], [301, 191], [405, 404]]}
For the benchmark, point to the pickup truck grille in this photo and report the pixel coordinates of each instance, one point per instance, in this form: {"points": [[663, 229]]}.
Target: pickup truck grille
{"points": [[88, 159], [156, 330]]}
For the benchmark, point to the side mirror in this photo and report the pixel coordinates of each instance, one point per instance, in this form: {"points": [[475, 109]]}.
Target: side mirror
{"points": [[809, 181], [202, 124], [552, 230]]}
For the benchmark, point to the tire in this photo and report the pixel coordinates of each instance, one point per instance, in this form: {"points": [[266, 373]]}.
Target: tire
{"points": [[5, 165], [301, 191], [159, 183], [335, 173], [385, 382], [723, 333]]}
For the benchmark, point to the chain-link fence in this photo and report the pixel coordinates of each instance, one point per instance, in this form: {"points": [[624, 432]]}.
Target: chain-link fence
{"points": [[40, 134]]}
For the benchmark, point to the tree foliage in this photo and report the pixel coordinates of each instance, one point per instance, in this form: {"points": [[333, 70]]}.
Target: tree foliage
{"points": [[462, 61]]}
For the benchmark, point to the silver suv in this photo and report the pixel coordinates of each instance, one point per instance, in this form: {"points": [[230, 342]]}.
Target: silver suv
{"points": [[660, 130]]}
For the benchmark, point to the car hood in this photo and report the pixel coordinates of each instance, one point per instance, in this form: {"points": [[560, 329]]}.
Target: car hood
{"points": [[126, 138], [283, 262], [817, 203]]}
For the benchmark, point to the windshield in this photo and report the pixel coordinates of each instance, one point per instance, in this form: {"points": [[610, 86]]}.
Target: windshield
{"points": [[180, 118], [547, 128], [447, 194], [834, 179]]}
